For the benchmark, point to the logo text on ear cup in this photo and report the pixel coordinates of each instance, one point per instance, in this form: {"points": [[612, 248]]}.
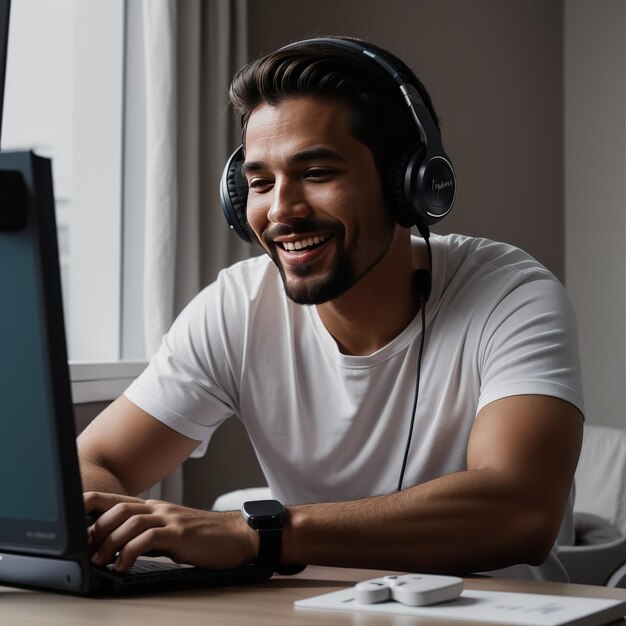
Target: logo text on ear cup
{"points": [[440, 186]]}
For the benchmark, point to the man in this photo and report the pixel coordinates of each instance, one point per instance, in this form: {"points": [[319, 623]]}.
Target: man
{"points": [[327, 391]]}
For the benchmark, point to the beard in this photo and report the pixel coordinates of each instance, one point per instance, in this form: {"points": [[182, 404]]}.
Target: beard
{"points": [[301, 287], [308, 290]]}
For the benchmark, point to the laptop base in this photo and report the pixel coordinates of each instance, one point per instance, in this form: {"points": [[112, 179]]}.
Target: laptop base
{"points": [[147, 576]]}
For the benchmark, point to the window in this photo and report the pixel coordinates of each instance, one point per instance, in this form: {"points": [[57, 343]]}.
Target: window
{"points": [[64, 99]]}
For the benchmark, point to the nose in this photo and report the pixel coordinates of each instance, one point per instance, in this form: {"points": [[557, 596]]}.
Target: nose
{"points": [[288, 202]]}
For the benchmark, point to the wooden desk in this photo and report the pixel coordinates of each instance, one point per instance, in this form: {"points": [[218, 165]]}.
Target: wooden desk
{"points": [[270, 603]]}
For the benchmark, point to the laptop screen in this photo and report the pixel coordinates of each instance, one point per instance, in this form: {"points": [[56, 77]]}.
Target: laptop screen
{"points": [[40, 492], [27, 479]]}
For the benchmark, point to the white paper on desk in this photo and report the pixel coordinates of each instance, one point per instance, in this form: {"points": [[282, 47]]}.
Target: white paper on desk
{"points": [[522, 609]]}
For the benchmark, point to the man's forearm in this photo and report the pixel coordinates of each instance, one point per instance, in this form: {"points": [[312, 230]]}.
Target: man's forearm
{"points": [[98, 478], [464, 522]]}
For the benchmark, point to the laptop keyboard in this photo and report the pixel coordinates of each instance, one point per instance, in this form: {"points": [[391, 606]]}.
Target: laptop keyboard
{"points": [[145, 567]]}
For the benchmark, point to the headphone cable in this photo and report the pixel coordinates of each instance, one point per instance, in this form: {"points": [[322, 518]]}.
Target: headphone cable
{"points": [[423, 279]]}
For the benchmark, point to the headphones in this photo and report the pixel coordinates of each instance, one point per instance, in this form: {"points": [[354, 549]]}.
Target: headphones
{"points": [[425, 184]]}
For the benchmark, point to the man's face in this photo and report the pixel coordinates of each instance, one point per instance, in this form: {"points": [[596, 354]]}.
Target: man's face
{"points": [[315, 198]]}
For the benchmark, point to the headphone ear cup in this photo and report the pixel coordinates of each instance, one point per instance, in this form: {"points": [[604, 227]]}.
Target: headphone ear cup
{"points": [[406, 214], [425, 188], [234, 195], [430, 187]]}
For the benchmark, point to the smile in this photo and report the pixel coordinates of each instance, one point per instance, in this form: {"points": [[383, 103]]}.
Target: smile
{"points": [[304, 244]]}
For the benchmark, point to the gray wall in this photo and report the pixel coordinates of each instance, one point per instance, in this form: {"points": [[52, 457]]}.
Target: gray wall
{"points": [[494, 70], [84, 413], [595, 227]]}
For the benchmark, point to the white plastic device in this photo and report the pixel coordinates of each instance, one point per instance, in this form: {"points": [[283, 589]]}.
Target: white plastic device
{"points": [[410, 589], [372, 591]]}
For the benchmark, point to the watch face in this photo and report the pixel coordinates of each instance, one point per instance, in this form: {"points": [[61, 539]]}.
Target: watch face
{"points": [[263, 508]]}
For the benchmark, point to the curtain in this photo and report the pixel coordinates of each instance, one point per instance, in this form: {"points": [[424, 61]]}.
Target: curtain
{"points": [[213, 45], [192, 49], [161, 208]]}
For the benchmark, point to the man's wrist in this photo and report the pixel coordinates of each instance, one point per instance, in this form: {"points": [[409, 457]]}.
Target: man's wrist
{"points": [[249, 538], [289, 564], [291, 547]]}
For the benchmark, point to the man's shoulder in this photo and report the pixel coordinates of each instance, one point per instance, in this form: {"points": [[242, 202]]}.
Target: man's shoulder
{"points": [[480, 253], [236, 288], [250, 277], [480, 248], [479, 270], [251, 268]]}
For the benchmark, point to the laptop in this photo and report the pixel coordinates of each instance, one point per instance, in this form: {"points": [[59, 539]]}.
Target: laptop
{"points": [[43, 536]]}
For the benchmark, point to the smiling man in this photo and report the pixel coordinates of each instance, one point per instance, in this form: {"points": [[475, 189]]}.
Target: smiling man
{"points": [[315, 197], [422, 413]]}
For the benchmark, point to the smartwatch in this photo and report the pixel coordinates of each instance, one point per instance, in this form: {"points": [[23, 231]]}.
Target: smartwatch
{"points": [[267, 518]]}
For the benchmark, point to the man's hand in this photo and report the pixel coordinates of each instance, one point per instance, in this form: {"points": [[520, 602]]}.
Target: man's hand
{"points": [[128, 527]]}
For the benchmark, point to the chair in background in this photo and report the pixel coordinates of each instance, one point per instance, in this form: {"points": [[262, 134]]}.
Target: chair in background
{"points": [[233, 500], [599, 554]]}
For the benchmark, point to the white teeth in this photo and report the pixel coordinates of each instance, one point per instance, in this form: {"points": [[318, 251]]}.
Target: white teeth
{"points": [[304, 243]]}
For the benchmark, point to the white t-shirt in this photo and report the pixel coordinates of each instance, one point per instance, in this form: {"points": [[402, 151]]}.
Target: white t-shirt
{"points": [[327, 426]]}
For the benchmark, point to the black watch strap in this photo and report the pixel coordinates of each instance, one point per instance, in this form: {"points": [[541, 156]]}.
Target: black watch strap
{"points": [[270, 546], [267, 518]]}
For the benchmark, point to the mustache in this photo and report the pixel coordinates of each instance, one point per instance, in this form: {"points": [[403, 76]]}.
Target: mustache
{"points": [[301, 227]]}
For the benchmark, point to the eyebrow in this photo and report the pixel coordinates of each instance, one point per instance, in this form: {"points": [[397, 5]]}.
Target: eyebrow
{"points": [[312, 154]]}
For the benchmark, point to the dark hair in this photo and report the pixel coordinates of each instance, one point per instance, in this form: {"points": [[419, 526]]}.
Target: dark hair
{"points": [[379, 116]]}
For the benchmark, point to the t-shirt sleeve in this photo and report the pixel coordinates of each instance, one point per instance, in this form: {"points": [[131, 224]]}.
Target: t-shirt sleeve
{"points": [[530, 345], [190, 384]]}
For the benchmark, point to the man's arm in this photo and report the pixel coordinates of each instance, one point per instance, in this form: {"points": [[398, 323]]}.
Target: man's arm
{"points": [[505, 509], [125, 450]]}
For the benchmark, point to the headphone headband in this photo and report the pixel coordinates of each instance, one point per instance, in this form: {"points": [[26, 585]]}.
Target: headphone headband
{"points": [[410, 94], [425, 180]]}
